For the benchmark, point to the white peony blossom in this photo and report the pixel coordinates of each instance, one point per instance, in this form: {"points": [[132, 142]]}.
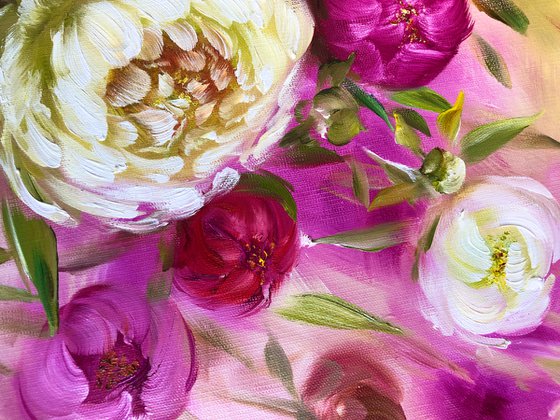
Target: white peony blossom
{"points": [[488, 269], [125, 109]]}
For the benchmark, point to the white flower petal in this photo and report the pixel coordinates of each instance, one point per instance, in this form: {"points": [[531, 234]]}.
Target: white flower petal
{"points": [[162, 10], [160, 124], [182, 34]]}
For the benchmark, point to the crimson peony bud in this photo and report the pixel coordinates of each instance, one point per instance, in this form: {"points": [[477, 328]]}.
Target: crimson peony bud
{"points": [[234, 253]]}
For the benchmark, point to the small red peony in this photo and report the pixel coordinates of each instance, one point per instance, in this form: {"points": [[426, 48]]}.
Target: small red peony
{"points": [[235, 252]]}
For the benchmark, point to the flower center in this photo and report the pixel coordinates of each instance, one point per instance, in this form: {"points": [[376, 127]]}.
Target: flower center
{"points": [[181, 89], [407, 14], [258, 254], [122, 367]]}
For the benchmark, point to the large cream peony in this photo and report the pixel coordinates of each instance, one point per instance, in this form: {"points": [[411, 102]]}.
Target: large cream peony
{"points": [[488, 270], [125, 109]]}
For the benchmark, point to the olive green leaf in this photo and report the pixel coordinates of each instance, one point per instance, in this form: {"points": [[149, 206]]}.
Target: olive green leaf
{"points": [[424, 245], [331, 311], [449, 122], [396, 172], [406, 136], [486, 139], [360, 182], [299, 110], [492, 60], [33, 244], [5, 255], [413, 119], [335, 71], [371, 239], [269, 185], [279, 365], [422, 98], [311, 154], [367, 100], [344, 126], [506, 12], [13, 293], [397, 194], [298, 135]]}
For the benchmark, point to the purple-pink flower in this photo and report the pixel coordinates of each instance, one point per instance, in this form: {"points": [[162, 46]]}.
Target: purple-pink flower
{"points": [[116, 356], [398, 43]]}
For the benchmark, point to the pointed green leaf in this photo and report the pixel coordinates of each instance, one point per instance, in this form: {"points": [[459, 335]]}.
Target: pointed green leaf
{"points": [[486, 139], [449, 122], [336, 71], [422, 98], [424, 245], [297, 135], [413, 119], [312, 154], [506, 12], [493, 61], [13, 293], [279, 365], [333, 312], [360, 182], [269, 185], [397, 194], [406, 136], [299, 110], [5, 255], [396, 172], [33, 244], [344, 126], [367, 100], [371, 239]]}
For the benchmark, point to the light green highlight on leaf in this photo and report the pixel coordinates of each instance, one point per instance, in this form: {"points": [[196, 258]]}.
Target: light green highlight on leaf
{"points": [[336, 71], [371, 239], [397, 194], [493, 61], [506, 11], [344, 126], [422, 98], [396, 172], [33, 244], [279, 365], [486, 139], [406, 136], [312, 154], [333, 312], [449, 122], [360, 182], [269, 185], [8, 293]]}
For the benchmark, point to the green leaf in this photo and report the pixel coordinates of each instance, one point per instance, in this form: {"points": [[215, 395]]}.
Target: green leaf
{"points": [[279, 365], [33, 244], [312, 154], [414, 120], [397, 194], [333, 312], [297, 135], [486, 139], [360, 182], [422, 98], [493, 61], [449, 122], [344, 126], [406, 136], [269, 185], [424, 244], [396, 172], [506, 12], [5, 255], [13, 293], [299, 110], [336, 71], [367, 100], [371, 239]]}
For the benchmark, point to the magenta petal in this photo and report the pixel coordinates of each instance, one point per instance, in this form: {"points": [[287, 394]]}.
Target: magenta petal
{"points": [[170, 347], [50, 383]]}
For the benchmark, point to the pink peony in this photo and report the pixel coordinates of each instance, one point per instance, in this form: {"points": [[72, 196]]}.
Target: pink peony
{"points": [[115, 356], [398, 43]]}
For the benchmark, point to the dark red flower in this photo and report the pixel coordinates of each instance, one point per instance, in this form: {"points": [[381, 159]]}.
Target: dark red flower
{"points": [[234, 253]]}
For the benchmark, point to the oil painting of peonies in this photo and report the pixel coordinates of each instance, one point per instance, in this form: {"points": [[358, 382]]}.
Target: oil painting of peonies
{"points": [[279, 209]]}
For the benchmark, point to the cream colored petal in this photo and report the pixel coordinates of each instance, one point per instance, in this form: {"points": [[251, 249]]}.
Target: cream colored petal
{"points": [[162, 10], [182, 34], [158, 123], [122, 133], [152, 44], [203, 112], [40, 145], [129, 86]]}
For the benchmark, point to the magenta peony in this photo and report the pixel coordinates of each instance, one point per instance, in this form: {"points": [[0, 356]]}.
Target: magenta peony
{"points": [[116, 356], [398, 43]]}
